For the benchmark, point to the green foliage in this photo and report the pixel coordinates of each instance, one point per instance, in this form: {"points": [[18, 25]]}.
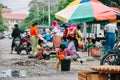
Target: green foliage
{"points": [[111, 3], [32, 17], [3, 26], [40, 16], [35, 15], [62, 4], [52, 16]]}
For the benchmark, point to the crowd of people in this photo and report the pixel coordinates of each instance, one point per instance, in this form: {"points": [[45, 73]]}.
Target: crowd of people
{"points": [[66, 45], [70, 38]]}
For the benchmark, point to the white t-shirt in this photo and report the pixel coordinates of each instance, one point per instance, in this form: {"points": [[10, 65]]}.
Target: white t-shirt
{"points": [[98, 44], [57, 31], [111, 28]]}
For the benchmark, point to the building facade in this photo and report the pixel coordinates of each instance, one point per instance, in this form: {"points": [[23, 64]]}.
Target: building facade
{"points": [[6, 10], [13, 18]]}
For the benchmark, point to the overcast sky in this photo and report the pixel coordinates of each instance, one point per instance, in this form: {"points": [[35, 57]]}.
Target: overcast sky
{"points": [[17, 6]]}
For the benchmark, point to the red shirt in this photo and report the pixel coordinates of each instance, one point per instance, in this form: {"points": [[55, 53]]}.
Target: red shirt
{"points": [[65, 34]]}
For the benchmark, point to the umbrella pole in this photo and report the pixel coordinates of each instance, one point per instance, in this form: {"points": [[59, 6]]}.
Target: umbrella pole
{"points": [[85, 25], [85, 34]]}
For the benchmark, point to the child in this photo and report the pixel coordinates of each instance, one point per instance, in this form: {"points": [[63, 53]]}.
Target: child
{"points": [[65, 41], [89, 43], [48, 36], [98, 44], [71, 44], [40, 48], [60, 51], [64, 53]]}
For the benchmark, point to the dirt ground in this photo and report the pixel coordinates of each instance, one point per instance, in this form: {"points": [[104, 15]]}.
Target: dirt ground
{"points": [[36, 70]]}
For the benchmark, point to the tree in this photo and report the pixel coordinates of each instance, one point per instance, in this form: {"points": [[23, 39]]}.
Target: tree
{"points": [[62, 4], [36, 14], [39, 12], [3, 25], [111, 3], [26, 23]]}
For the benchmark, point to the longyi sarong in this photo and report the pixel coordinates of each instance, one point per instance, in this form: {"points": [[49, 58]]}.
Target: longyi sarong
{"points": [[56, 41]]}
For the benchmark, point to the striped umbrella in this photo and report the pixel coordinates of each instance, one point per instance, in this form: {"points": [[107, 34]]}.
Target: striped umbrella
{"points": [[78, 2], [88, 11]]}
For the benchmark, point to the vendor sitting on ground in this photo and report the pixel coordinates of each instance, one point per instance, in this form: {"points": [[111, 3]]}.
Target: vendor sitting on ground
{"points": [[72, 48], [64, 41], [41, 49], [90, 43]]}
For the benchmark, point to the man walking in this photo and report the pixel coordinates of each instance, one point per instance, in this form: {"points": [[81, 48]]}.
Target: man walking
{"points": [[110, 32]]}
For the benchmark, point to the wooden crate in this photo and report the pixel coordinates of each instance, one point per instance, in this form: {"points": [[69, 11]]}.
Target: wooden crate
{"points": [[91, 76]]}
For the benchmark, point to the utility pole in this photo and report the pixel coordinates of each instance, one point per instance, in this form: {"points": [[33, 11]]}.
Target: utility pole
{"points": [[37, 4], [49, 13]]}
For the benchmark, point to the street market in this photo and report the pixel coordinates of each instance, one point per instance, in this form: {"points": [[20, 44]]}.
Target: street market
{"points": [[60, 40]]}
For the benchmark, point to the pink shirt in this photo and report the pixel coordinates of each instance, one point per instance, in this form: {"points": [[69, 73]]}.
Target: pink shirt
{"points": [[68, 52]]}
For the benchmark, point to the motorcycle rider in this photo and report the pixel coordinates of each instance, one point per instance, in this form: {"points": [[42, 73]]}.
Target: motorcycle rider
{"points": [[15, 33]]}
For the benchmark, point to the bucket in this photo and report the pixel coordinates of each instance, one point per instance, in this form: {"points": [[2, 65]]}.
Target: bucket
{"points": [[65, 65]]}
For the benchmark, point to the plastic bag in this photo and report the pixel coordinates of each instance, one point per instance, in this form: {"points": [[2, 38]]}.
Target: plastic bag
{"points": [[61, 56]]}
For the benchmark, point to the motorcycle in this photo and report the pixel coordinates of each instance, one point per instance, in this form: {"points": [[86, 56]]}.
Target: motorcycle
{"points": [[26, 45], [22, 44], [113, 56], [17, 43]]}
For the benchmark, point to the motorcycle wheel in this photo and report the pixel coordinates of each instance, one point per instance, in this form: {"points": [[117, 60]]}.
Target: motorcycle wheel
{"points": [[18, 52], [27, 52], [110, 59]]}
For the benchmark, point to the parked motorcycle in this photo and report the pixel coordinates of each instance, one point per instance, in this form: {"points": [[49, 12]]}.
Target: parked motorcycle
{"points": [[113, 56], [17, 43], [26, 45], [22, 44]]}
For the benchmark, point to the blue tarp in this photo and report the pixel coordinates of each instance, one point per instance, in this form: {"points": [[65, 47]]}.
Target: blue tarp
{"points": [[66, 24]]}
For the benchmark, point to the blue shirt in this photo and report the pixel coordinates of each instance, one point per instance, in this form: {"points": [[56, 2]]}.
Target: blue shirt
{"points": [[65, 43], [48, 37]]}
